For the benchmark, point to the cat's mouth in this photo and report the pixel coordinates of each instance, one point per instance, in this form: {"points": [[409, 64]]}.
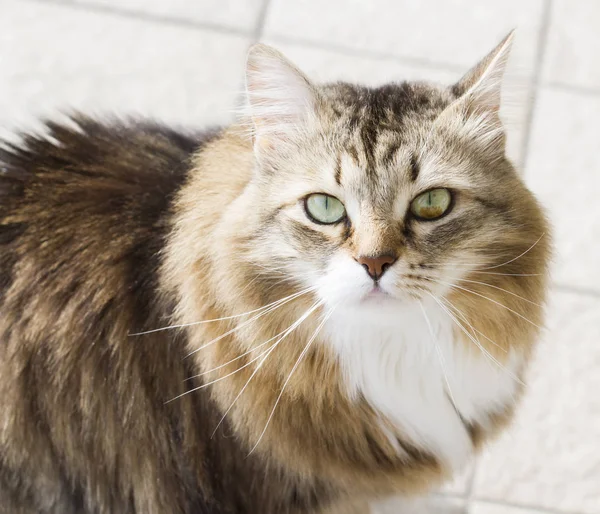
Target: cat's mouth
{"points": [[376, 294]]}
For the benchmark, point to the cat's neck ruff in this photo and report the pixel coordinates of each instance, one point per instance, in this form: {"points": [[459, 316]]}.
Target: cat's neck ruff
{"points": [[411, 365]]}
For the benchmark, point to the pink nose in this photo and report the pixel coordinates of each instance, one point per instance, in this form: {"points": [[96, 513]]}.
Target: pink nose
{"points": [[376, 266]]}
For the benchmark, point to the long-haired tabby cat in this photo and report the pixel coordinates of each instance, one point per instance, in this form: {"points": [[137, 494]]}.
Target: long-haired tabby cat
{"points": [[330, 301]]}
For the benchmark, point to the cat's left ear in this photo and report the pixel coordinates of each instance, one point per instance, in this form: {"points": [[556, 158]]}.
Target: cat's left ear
{"points": [[475, 112], [480, 89], [280, 99]]}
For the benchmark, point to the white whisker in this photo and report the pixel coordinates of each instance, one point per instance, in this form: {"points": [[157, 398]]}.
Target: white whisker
{"points": [[490, 300], [460, 265], [206, 384], [464, 318], [306, 348], [439, 352], [253, 349], [477, 343], [251, 320], [518, 256], [288, 331], [499, 289], [268, 351], [467, 268], [182, 325], [508, 274]]}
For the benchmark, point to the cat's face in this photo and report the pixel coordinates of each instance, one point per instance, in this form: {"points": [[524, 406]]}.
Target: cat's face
{"points": [[387, 195]]}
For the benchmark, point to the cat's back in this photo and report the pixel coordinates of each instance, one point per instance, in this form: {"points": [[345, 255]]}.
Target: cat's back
{"points": [[87, 191], [84, 213], [87, 201]]}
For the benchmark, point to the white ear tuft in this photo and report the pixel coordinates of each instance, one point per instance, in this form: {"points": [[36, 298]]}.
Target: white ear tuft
{"points": [[280, 98], [482, 85]]}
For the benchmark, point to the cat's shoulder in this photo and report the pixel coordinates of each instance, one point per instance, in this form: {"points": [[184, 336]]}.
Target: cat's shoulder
{"points": [[84, 196], [93, 173], [120, 156]]}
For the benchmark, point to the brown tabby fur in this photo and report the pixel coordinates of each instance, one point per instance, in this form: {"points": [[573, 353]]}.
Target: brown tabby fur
{"points": [[112, 229], [85, 426]]}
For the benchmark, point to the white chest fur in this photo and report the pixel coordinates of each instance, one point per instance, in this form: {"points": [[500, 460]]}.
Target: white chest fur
{"points": [[410, 369]]}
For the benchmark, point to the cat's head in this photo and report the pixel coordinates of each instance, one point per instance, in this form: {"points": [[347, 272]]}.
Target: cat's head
{"points": [[387, 194]]}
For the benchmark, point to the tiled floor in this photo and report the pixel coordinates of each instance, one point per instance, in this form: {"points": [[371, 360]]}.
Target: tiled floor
{"points": [[182, 61]]}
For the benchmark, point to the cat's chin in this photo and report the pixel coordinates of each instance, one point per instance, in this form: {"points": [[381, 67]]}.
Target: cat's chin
{"points": [[378, 308], [377, 295], [375, 299]]}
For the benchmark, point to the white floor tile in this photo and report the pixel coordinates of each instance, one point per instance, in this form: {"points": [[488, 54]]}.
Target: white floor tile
{"points": [[239, 14], [455, 32], [328, 65], [491, 508], [574, 43], [563, 169], [550, 457], [64, 58]]}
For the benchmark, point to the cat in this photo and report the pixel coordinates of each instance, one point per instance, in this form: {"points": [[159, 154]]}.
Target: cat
{"points": [[331, 301]]}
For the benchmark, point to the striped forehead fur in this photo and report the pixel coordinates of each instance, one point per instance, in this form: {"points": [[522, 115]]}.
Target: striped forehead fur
{"points": [[281, 101]]}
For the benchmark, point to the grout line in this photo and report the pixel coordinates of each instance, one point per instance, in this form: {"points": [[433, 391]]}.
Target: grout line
{"points": [[358, 52], [145, 16], [536, 81], [572, 88], [262, 18], [257, 33], [469, 502], [446, 496], [471, 487], [577, 290], [517, 505]]}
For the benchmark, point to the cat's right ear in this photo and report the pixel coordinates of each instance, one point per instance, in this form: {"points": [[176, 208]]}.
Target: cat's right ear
{"points": [[280, 99]]}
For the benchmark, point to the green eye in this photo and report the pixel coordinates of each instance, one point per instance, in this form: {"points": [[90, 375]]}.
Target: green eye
{"points": [[324, 209], [432, 204]]}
